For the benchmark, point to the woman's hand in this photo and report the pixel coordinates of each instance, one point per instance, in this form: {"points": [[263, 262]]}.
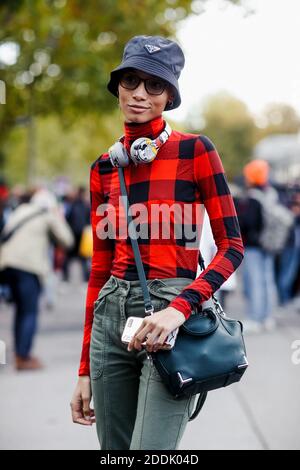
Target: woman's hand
{"points": [[156, 328], [80, 404]]}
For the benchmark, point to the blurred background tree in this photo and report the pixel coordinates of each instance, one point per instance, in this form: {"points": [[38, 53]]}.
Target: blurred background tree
{"points": [[278, 118], [228, 123], [58, 57], [64, 52]]}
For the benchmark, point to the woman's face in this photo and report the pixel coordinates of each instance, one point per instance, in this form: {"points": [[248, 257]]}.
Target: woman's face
{"points": [[138, 105]]}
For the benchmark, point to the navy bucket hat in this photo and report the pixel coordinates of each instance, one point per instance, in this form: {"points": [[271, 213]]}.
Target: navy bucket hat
{"points": [[154, 55]]}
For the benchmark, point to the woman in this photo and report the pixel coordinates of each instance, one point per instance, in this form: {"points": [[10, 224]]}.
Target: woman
{"points": [[133, 409], [25, 258]]}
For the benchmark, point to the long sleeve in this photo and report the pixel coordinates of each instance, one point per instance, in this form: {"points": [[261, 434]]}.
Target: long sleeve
{"points": [[100, 266], [215, 195]]}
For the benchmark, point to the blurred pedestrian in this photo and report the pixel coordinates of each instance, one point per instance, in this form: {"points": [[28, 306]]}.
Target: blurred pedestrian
{"points": [[4, 195], [289, 258], [4, 211], [258, 266], [25, 257], [78, 217]]}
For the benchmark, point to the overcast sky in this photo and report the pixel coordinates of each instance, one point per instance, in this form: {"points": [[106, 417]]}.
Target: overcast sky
{"points": [[256, 58]]}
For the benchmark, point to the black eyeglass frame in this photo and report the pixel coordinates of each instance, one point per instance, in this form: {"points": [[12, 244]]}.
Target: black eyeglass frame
{"points": [[145, 81]]}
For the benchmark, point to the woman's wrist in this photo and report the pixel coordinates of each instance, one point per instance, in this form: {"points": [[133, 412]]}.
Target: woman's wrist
{"points": [[178, 313]]}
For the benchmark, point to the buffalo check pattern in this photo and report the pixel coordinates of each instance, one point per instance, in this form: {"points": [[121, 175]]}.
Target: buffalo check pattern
{"points": [[186, 171]]}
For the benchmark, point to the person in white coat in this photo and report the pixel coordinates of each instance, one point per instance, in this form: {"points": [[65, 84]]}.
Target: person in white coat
{"points": [[24, 257]]}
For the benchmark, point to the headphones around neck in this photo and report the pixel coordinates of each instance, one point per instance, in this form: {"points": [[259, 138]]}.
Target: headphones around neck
{"points": [[142, 150]]}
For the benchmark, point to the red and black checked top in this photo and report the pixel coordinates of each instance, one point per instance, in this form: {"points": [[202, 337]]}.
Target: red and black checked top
{"points": [[186, 171]]}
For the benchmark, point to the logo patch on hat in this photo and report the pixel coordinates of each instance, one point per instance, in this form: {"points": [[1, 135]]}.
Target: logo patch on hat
{"points": [[151, 49]]}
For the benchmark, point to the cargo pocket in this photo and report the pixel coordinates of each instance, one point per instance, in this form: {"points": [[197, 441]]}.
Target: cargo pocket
{"points": [[109, 287], [97, 348], [98, 335]]}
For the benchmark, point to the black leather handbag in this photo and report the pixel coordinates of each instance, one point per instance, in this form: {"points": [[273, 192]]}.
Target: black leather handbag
{"points": [[209, 351]]}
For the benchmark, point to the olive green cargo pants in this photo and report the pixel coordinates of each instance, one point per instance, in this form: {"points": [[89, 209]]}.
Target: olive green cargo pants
{"points": [[133, 408]]}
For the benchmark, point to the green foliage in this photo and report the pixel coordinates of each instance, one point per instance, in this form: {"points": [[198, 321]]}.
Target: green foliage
{"points": [[66, 50], [70, 152], [228, 123], [279, 118], [61, 152], [234, 131]]}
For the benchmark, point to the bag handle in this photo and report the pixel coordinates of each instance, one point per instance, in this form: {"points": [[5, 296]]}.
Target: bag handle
{"points": [[218, 307]]}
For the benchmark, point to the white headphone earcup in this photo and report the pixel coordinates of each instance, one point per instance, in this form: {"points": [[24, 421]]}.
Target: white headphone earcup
{"points": [[118, 155], [143, 150]]}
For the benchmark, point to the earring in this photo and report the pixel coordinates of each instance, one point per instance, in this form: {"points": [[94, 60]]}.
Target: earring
{"points": [[170, 103]]}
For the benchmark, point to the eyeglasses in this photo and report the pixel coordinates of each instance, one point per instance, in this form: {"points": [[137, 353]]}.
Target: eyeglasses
{"points": [[154, 86]]}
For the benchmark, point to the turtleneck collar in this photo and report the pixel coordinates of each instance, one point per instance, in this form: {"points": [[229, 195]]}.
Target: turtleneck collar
{"points": [[151, 129]]}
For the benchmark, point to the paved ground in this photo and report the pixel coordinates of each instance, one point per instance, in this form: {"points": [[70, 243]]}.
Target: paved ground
{"points": [[261, 412]]}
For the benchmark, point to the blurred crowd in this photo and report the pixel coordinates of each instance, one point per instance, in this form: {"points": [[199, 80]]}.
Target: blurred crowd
{"points": [[41, 234], [269, 218]]}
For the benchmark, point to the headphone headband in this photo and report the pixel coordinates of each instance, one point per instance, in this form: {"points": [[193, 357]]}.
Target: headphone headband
{"points": [[163, 137]]}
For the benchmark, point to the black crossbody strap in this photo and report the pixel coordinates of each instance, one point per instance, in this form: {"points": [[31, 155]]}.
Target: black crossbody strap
{"points": [[133, 238], [4, 237]]}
